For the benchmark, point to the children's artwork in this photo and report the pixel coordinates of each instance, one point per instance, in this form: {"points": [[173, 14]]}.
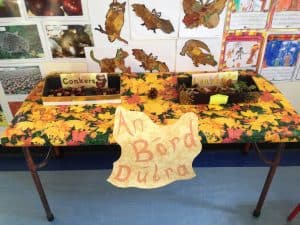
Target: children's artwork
{"points": [[19, 80], [20, 42], [110, 65], [154, 156], [202, 18], [198, 54], [244, 14], [53, 7], [286, 14], [69, 41], [9, 9], [114, 22], [3, 121], [110, 22], [241, 52], [140, 56], [154, 20], [280, 56]]}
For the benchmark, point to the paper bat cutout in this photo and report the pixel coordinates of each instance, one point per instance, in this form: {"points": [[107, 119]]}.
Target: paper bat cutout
{"points": [[152, 19], [198, 13], [109, 65], [114, 22], [195, 50], [153, 156], [149, 62]]}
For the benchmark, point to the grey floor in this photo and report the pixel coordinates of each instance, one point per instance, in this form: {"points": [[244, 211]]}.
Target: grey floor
{"points": [[216, 196]]}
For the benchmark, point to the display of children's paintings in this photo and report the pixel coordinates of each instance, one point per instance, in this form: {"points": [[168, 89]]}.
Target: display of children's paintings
{"points": [[54, 7], [202, 18], [198, 54], [140, 56], [19, 80], [245, 14], [110, 25], [241, 52], [20, 42], [69, 41], [3, 120], [280, 56], [286, 14], [154, 20], [9, 9]]}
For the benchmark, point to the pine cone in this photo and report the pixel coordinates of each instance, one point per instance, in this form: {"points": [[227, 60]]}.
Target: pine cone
{"points": [[152, 93]]}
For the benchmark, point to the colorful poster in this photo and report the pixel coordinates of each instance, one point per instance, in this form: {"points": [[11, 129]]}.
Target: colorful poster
{"points": [[153, 156], [54, 8], [245, 14], [140, 56], [202, 18], [154, 20], [280, 56], [9, 9], [69, 40], [200, 54], [19, 80], [20, 42], [286, 14], [3, 121], [110, 22], [241, 52]]}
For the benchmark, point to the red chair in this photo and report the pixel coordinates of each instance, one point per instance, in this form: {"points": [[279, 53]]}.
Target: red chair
{"points": [[294, 213]]}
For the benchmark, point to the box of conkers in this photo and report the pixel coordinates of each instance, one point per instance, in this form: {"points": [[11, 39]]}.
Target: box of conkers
{"points": [[81, 88]]}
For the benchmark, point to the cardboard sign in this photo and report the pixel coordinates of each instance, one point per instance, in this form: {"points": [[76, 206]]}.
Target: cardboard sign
{"points": [[87, 80], [213, 79], [154, 156]]}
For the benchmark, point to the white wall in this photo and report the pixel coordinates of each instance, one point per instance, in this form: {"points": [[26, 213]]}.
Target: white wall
{"points": [[292, 92]]}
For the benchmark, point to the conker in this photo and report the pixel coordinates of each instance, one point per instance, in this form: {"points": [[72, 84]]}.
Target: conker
{"points": [[36, 6], [72, 7]]}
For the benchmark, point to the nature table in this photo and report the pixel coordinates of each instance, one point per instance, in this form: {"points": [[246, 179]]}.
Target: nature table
{"points": [[272, 119]]}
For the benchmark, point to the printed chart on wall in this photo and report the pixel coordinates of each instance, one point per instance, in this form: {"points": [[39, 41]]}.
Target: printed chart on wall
{"points": [[20, 42], [69, 40], [19, 80], [280, 56], [53, 8], [286, 14], [249, 14], [110, 22], [202, 18], [241, 52], [9, 9]]}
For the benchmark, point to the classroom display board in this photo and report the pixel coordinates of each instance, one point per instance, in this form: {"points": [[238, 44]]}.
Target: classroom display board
{"points": [[40, 37]]}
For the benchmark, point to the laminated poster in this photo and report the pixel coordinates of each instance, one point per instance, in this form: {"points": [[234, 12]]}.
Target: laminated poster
{"points": [[69, 40], [280, 56], [153, 156], [19, 80], [53, 8], [241, 52], [9, 9], [20, 42], [3, 121], [286, 14], [249, 14]]}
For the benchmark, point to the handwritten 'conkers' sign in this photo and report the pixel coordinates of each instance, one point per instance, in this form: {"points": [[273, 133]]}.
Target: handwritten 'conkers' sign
{"points": [[153, 156]]}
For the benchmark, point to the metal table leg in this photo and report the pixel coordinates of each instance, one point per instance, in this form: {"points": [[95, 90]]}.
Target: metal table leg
{"points": [[33, 169], [273, 166]]}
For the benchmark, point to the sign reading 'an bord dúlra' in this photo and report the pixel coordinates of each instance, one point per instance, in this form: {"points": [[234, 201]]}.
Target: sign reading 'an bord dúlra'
{"points": [[153, 156]]}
